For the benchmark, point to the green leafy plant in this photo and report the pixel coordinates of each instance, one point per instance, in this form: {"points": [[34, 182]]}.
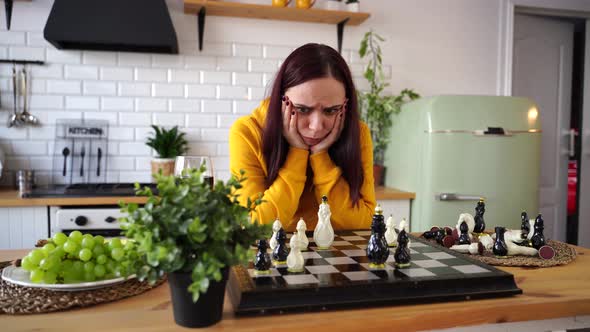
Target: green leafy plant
{"points": [[168, 143], [191, 227], [375, 107]]}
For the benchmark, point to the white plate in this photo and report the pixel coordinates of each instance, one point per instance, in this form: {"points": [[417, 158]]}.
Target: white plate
{"points": [[17, 275]]}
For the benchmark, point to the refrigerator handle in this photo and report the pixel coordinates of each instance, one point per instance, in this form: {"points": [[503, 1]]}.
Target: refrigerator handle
{"points": [[457, 197]]}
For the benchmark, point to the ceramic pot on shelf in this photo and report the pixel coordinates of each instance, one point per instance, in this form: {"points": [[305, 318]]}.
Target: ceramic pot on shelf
{"points": [[164, 164], [353, 7]]}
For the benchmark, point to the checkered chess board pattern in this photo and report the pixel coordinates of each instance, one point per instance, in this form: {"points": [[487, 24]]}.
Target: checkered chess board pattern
{"points": [[341, 276], [346, 262]]}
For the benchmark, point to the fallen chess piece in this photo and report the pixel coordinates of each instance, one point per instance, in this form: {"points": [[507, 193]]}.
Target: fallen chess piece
{"points": [[546, 252], [475, 248], [513, 238], [275, 229], [295, 259], [390, 233]]}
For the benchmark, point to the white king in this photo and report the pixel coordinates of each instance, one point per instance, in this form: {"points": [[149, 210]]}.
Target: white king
{"points": [[323, 234]]}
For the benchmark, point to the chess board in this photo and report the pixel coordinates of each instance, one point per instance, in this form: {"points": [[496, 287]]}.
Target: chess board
{"points": [[341, 277]]}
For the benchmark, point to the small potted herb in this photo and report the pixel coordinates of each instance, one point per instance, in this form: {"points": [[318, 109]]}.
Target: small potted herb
{"points": [[194, 233], [168, 145]]}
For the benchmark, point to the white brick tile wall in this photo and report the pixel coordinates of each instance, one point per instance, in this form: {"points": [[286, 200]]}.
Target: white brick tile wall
{"points": [[222, 149], [201, 91], [226, 121], [247, 79], [100, 88], [151, 75], [247, 50], [215, 135], [36, 39], [201, 120], [99, 58], [111, 117], [60, 56], [143, 164], [46, 102], [117, 104], [257, 93], [29, 148], [217, 49], [167, 61], [151, 105], [232, 64], [142, 134], [44, 132], [135, 59], [135, 119], [169, 119], [16, 163], [184, 105], [113, 149], [216, 106], [135, 89], [63, 87], [82, 103], [53, 116], [185, 76], [120, 163], [47, 71], [232, 92], [263, 65], [245, 107], [201, 148], [27, 53], [116, 74], [141, 177], [168, 90], [41, 163], [220, 163], [213, 77], [4, 52], [192, 134], [133, 149], [12, 133], [277, 52], [121, 134], [81, 72], [200, 62], [12, 38]]}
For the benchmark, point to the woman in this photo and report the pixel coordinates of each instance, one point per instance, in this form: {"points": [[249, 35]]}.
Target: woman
{"points": [[305, 141]]}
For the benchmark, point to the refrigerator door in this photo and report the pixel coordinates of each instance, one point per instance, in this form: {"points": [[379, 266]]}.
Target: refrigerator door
{"points": [[453, 150]]}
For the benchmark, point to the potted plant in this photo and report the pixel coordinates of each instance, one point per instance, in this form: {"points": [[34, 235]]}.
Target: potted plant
{"points": [[375, 106], [352, 5], [168, 145], [194, 233]]}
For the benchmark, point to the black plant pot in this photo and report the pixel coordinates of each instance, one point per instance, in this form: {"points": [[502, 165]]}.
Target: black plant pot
{"points": [[206, 311]]}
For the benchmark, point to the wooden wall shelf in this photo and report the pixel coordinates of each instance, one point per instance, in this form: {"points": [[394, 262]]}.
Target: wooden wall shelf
{"points": [[244, 10]]}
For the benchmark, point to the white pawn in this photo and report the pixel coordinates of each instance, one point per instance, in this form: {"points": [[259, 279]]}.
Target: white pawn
{"points": [[323, 234], [295, 258], [486, 241], [513, 237], [390, 234], [301, 228], [276, 226]]}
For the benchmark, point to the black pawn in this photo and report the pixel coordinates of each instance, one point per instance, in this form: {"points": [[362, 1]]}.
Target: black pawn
{"points": [[500, 249], [525, 227], [440, 236], [262, 260], [480, 209], [402, 253], [377, 249], [464, 237], [281, 252], [538, 240]]}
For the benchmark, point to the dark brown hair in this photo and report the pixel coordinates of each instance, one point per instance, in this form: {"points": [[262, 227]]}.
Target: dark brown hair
{"points": [[308, 62]]}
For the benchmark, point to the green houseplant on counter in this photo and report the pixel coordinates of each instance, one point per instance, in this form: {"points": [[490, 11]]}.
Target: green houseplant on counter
{"points": [[193, 232], [168, 145], [375, 107]]}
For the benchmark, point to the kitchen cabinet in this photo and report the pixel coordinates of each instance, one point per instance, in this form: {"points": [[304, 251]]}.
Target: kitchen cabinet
{"points": [[21, 227]]}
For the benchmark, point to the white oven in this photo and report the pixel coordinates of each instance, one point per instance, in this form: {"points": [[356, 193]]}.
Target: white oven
{"points": [[95, 220]]}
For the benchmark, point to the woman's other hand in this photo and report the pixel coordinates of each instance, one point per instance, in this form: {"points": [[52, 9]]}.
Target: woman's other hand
{"points": [[290, 125]]}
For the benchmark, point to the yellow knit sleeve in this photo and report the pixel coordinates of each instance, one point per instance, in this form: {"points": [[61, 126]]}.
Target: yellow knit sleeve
{"points": [[281, 199], [328, 181]]}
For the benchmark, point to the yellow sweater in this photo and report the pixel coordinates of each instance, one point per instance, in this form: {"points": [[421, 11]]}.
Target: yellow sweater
{"points": [[293, 194]]}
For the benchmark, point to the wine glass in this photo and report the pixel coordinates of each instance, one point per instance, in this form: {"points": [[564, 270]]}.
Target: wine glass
{"points": [[186, 162]]}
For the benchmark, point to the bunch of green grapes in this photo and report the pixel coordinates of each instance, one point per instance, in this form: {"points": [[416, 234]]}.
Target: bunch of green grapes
{"points": [[79, 258]]}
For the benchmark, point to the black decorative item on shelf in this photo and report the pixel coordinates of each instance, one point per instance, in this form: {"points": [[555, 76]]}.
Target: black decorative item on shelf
{"points": [[8, 9]]}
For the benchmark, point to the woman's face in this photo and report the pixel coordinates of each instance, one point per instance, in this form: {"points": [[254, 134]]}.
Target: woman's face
{"points": [[317, 103]]}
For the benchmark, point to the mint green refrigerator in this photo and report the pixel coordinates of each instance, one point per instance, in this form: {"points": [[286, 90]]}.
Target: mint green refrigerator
{"points": [[453, 150]]}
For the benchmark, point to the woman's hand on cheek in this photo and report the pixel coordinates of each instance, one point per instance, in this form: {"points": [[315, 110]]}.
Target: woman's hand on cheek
{"points": [[290, 126], [333, 136]]}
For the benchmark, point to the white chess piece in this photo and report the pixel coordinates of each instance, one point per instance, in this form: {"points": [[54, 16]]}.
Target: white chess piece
{"points": [[487, 241], [276, 226], [472, 248], [390, 234], [295, 258], [301, 228], [512, 237], [323, 234], [468, 219]]}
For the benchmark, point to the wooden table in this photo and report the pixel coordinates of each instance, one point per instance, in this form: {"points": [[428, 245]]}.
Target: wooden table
{"points": [[561, 291]]}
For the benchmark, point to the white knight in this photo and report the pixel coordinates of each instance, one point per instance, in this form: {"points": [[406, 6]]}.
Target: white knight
{"points": [[323, 234], [303, 240]]}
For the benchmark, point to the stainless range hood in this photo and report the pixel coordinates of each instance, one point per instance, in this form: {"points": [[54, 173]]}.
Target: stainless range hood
{"points": [[111, 25]]}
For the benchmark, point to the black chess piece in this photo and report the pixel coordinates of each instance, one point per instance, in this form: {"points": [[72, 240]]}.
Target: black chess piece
{"points": [[262, 260], [429, 235], [440, 236], [500, 249], [538, 240], [402, 252], [377, 249], [525, 227], [281, 252], [480, 224], [464, 237]]}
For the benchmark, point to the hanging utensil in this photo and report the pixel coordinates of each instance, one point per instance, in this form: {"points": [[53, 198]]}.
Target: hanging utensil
{"points": [[82, 154], [99, 153], [65, 152], [8, 10], [14, 119], [25, 116]]}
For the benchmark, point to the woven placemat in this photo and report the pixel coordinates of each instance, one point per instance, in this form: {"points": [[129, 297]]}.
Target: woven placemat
{"points": [[19, 300], [564, 254]]}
